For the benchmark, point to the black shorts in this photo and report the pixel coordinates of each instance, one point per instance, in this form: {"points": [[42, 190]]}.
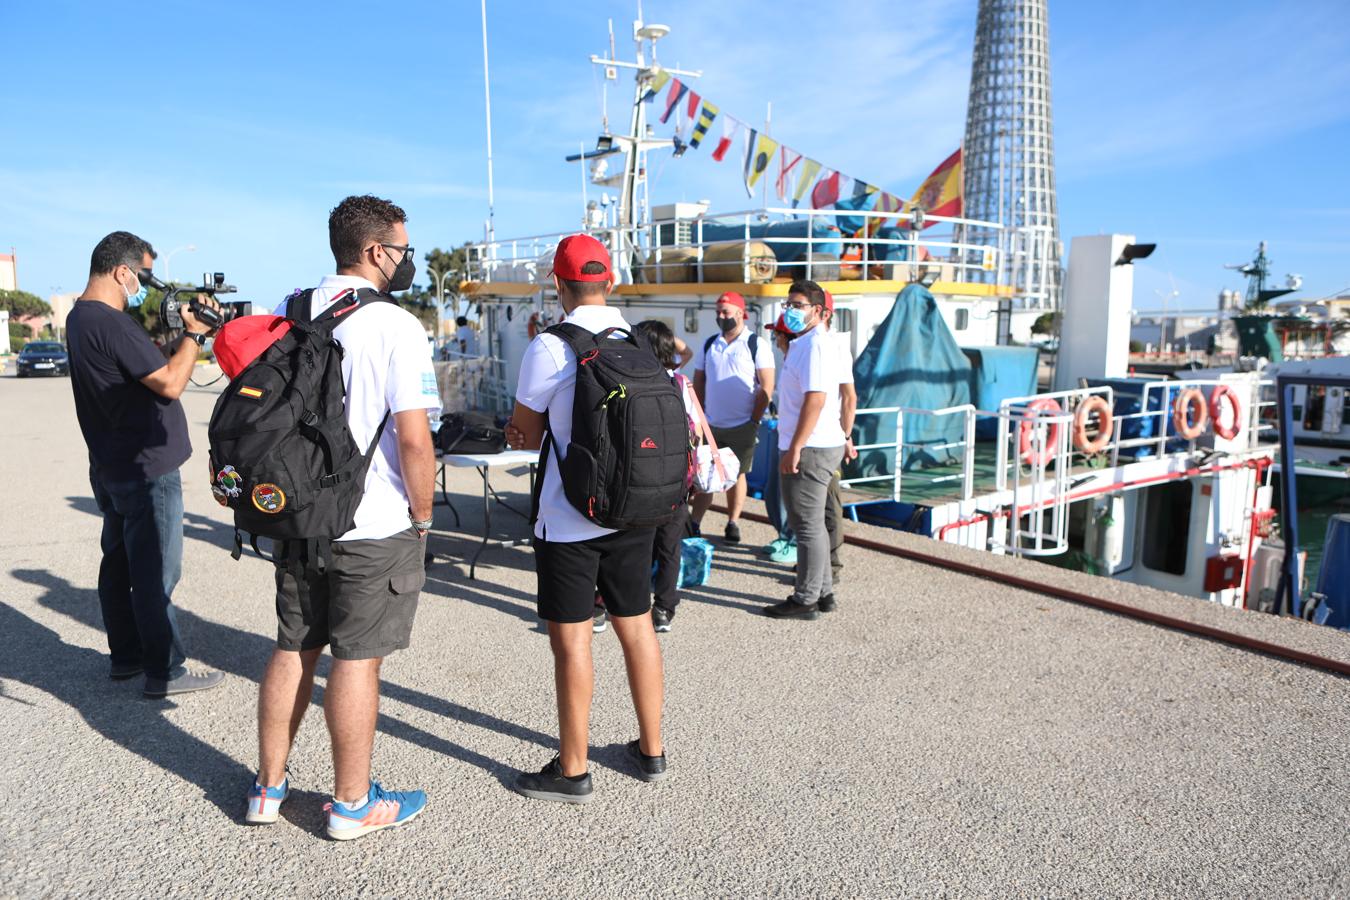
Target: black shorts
{"points": [[618, 565], [362, 605]]}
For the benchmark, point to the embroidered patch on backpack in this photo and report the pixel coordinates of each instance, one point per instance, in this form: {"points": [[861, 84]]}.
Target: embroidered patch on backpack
{"points": [[255, 393], [269, 498], [229, 481], [648, 444]]}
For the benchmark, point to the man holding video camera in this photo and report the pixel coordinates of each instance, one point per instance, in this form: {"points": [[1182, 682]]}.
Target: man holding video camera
{"points": [[126, 400]]}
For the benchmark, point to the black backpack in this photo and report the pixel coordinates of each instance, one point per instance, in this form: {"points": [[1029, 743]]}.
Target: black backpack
{"points": [[628, 463], [282, 455]]}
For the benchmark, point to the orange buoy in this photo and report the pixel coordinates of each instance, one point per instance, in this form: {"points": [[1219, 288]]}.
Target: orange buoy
{"points": [[1217, 397], [1190, 415], [1093, 404], [1030, 455]]}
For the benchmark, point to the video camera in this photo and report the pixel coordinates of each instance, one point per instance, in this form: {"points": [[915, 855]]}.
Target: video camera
{"points": [[170, 311]]}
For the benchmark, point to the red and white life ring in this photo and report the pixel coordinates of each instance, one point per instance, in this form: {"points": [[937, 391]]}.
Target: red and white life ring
{"points": [[1029, 454], [1217, 397], [1190, 404], [1090, 405]]}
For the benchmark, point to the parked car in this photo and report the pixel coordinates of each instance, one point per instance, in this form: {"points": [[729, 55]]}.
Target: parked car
{"points": [[43, 358]]}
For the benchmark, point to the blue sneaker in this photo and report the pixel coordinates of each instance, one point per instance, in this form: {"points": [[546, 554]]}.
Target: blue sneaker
{"points": [[264, 803], [786, 553], [382, 809]]}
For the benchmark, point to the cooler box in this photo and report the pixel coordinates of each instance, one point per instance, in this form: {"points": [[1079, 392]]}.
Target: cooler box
{"points": [[766, 455], [696, 556]]}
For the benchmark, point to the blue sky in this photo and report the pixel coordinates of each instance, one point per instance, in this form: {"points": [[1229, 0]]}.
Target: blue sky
{"points": [[1204, 126]]}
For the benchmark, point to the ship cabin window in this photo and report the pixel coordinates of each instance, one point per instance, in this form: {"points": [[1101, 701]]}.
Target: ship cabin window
{"points": [[842, 321], [962, 320], [1167, 527]]}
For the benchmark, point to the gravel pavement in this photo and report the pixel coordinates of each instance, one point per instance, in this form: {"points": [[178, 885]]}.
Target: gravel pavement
{"points": [[938, 735]]}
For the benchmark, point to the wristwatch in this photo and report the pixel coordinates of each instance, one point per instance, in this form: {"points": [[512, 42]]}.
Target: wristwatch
{"points": [[196, 336]]}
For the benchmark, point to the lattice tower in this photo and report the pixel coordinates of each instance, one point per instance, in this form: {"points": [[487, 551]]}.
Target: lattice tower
{"points": [[1009, 149]]}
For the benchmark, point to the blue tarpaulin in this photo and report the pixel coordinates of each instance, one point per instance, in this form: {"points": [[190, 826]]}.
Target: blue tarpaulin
{"points": [[998, 374], [912, 360]]}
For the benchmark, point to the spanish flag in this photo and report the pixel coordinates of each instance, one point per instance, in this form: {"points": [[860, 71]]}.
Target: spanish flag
{"points": [[940, 193]]}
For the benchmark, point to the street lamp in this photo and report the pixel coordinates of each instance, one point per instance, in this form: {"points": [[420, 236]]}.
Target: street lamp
{"points": [[438, 280], [190, 248]]}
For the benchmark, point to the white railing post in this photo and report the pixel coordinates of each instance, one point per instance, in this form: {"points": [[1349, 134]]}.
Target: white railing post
{"points": [[899, 452]]}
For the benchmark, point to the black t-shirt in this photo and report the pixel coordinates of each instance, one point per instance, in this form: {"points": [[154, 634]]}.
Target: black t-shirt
{"points": [[133, 433]]}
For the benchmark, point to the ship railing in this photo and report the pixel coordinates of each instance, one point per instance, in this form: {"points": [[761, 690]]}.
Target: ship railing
{"points": [[1022, 419], [472, 382], [1038, 446], [674, 249], [897, 447], [1156, 432]]}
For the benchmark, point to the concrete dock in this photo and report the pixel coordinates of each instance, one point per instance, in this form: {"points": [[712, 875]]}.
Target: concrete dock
{"points": [[938, 735]]}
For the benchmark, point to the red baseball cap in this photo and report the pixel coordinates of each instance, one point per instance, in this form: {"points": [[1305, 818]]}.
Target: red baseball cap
{"points": [[733, 298], [574, 252], [242, 340], [829, 300], [781, 327]]}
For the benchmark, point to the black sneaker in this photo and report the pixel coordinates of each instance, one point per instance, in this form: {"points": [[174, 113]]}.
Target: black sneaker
{"points": [[791, 609], [661, 619], [733, 533], [827, 603], [650, 768], [189, 681], [599, 620], [551, 784], [123, 671]]}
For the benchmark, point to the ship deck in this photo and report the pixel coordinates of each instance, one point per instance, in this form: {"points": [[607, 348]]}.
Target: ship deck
{"points": [[939, 734]]}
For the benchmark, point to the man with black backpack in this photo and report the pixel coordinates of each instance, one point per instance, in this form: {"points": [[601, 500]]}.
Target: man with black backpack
{"points": [[358, 593], [615, 452]]}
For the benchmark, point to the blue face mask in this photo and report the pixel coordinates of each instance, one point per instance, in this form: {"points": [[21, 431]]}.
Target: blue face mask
{"points": [[795, 319], [136, 299]]}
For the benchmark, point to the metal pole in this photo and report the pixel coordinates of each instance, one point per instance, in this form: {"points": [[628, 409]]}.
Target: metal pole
{"points": [[487, 109], [1289, 586]]}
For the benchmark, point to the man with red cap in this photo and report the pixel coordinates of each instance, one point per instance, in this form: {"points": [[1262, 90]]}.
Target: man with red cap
{"points": [[573, 555], [733, 377]]}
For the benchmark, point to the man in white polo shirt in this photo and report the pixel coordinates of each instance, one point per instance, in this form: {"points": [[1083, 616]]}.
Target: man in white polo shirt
{"points": [[848, 406], [733, 378], [811, 445], [574, 556]]}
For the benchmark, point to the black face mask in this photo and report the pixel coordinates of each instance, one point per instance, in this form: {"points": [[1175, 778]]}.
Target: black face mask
{"points": [[402, 278], [727, 325]]}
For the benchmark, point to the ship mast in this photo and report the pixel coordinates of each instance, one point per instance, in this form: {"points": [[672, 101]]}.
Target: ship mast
{"points": [[636, 143]]}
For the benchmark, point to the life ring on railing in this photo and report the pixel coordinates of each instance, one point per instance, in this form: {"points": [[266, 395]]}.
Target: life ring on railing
{"points": [[1190, 403], [1221, 393], [1029, 455], [1104, 425]]}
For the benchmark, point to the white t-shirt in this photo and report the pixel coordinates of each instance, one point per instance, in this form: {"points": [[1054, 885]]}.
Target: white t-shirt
{"points": [[548, 377], [729, 377], [812, 364], [386, 369], [843, 356]]}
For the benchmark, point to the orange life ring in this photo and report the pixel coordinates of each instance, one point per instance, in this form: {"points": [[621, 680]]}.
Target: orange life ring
{"points": [[1105, 424], [1024, 449], [1190, 402], [1216, 397]]}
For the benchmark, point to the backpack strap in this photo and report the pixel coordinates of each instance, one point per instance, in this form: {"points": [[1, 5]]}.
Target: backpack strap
{"points": [[300, 305], [752, 340]]}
